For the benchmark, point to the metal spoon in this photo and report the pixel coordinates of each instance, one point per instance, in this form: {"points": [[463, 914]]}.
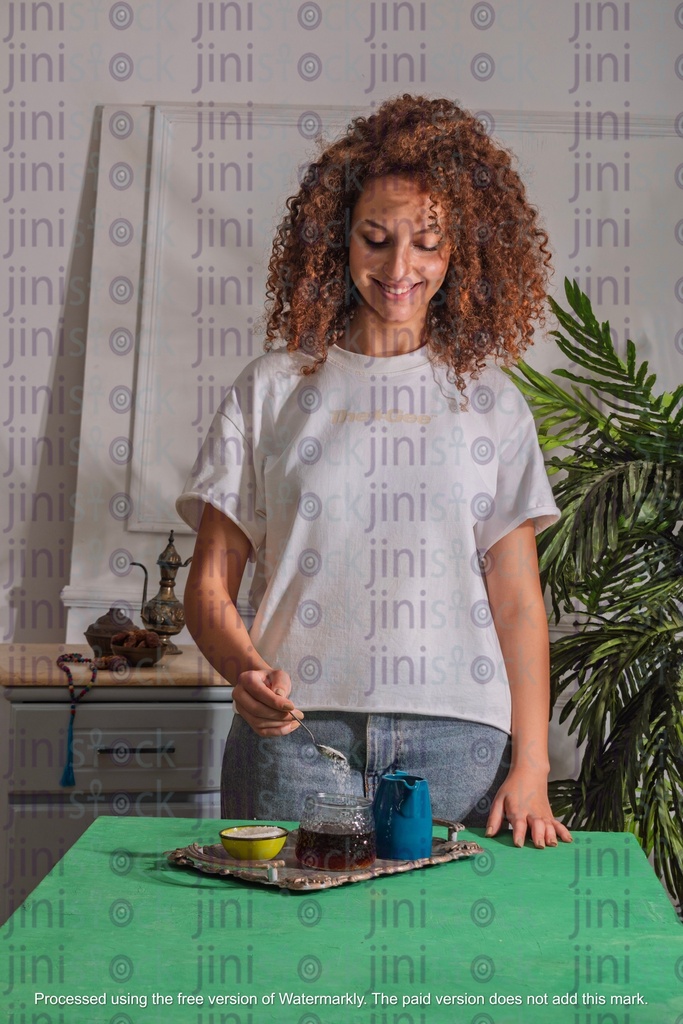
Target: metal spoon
{"points": [[334, 755]]}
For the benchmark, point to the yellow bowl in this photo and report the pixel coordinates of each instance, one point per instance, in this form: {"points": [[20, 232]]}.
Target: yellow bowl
{"points": [[253, 842]]}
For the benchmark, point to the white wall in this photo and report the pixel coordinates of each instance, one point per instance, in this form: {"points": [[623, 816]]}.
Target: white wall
{"points": [[596, 84]]}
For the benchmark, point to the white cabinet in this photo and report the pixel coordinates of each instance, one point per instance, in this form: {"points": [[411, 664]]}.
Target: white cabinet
{"points": [[137, 751]]}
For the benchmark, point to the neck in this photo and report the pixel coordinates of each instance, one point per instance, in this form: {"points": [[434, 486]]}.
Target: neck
{"points": [[379, 341]]}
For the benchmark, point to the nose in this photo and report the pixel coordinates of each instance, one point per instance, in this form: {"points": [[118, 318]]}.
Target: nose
{"points": [[397, 262], [399, 258]]}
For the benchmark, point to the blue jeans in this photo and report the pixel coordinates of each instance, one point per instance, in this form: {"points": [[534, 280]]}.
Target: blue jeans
{"points": [[464, 763]]}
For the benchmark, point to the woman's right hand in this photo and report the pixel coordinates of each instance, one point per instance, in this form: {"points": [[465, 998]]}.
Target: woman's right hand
{"points": [[261, 698]]}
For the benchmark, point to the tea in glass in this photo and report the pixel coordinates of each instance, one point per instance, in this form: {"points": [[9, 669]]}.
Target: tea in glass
{"points": [[337, 833]]}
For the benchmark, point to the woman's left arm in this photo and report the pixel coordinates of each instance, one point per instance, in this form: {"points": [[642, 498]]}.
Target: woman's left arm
{"points": [[519, 616]]}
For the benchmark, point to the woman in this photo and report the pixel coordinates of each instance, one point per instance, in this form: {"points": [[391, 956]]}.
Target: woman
{"points": [[385, 477]]}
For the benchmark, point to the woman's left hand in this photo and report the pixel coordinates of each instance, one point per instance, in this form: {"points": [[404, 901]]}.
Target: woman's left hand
{"points": [[523, 801]]}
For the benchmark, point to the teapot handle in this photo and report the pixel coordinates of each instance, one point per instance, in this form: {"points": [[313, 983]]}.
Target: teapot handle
{"points": [[144, 586]]}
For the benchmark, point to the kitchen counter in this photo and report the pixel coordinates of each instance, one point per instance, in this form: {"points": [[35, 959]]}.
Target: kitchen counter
{"points": [[146, 741], [30, 665]]}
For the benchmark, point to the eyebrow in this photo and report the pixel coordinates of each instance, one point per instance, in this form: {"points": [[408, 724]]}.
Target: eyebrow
{"points": [[382, 227]]}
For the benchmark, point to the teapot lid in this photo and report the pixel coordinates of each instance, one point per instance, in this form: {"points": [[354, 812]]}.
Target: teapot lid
{"points": [[169, 556]]}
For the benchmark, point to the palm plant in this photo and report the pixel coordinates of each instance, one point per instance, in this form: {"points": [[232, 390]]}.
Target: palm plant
{"points": [[615, 562]]}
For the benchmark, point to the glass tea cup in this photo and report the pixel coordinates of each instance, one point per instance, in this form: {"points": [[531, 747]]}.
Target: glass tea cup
{"points": [[336, 833]]}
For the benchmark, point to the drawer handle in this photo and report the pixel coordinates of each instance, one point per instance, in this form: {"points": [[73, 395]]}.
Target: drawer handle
{"points": [[170, 749]]}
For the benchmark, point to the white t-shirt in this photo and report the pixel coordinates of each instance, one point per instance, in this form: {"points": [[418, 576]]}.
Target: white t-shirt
{"points": [[370, 500]]}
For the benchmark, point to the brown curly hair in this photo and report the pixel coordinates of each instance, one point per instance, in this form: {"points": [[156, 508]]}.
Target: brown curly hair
{"points": [[496, 281]]}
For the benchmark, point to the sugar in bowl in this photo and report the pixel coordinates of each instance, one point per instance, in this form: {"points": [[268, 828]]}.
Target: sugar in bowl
{"points": [[336, 833]]}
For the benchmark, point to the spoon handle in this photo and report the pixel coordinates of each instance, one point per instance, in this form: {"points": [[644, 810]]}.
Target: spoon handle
{"points": [[304, 727]]}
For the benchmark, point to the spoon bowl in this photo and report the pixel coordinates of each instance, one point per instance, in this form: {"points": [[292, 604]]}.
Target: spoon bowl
{"points": [[330, 752]]}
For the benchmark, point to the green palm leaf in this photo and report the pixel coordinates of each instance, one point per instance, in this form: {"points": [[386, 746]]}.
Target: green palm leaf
{"points": [[615, 559]]}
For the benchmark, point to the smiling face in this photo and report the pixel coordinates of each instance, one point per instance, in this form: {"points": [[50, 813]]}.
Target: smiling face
{"points": [[398, 258]]}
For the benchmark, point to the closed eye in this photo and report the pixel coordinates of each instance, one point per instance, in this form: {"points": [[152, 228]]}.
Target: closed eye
{"points": [[373, 244]]}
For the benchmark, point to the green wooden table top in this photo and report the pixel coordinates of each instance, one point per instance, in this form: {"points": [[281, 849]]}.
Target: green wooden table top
{"points": [[582, 934]]}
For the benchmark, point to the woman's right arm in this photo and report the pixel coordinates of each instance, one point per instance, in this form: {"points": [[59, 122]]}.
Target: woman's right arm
{"points": [[260, 693]]}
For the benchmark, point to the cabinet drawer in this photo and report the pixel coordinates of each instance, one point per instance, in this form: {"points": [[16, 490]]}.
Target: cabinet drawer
{"points": [[131, 747]]}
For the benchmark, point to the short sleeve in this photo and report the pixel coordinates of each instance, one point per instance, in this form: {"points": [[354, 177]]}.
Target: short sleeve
{"points": [[228, 472], [522, 489]]}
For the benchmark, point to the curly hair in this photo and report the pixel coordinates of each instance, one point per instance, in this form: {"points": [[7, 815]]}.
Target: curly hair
{"points": [[496, 282]]}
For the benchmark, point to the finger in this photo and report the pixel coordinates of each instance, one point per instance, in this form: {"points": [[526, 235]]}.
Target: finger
{"points": [[262, 727], [250, 706], [279, 682], [272, 731], [562, 831], [255, 684], [495, 818], [539, 833], [519, 827]]}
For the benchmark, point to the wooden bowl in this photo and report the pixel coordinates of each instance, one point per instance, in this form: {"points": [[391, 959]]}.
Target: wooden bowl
{"points": [[139, 657]]}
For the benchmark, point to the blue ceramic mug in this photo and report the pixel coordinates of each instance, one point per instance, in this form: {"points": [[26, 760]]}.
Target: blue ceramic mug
{"points": [[403, 817]]}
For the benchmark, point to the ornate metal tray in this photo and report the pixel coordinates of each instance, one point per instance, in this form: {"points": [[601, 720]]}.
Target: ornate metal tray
{"points": [[285, 872]]}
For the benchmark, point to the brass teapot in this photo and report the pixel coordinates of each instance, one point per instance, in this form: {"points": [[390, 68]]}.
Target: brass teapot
{"points": [[164, 614]]}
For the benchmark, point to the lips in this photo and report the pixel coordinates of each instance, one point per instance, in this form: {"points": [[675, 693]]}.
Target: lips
{"points": [[396, 291]]}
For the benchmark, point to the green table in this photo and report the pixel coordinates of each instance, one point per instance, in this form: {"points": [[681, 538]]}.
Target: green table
{"points": [[508, 936]]}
